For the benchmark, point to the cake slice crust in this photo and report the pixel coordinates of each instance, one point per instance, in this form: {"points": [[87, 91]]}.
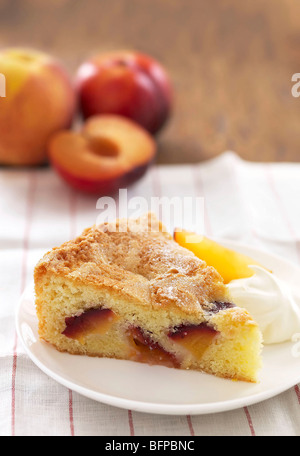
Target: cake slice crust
{"points": [[130, 292]]}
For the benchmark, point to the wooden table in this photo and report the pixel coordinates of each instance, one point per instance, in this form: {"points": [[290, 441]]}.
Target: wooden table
{"points": [[231, 63]]}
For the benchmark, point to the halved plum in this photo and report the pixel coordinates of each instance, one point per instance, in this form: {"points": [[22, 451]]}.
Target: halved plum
{"points": [[147, 351], [92, 321], [195, 338], [109, 153]]}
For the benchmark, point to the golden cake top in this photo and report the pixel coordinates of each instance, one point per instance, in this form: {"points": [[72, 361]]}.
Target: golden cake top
{"points": [[137, 258]]}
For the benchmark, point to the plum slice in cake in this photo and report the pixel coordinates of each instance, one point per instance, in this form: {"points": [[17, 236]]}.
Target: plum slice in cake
{"points": [[129, 291]]}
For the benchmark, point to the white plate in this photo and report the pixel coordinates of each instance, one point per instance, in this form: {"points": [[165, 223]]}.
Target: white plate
{"points": [[157, 389]]}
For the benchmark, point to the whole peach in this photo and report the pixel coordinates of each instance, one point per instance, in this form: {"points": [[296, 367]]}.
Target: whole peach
{"points": [[126, 83], [40, 100]]}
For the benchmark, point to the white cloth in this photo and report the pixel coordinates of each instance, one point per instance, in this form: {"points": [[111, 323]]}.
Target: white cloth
{"points": [[254, 203]]}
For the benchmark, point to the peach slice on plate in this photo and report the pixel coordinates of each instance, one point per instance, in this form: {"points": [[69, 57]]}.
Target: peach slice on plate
{"points": [[109, 153], [230, 264]]}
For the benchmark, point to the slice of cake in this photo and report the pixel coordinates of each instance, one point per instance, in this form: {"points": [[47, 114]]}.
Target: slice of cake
{"points": [[129, 291]]}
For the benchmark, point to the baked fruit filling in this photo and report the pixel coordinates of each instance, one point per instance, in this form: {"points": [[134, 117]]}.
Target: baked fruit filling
{"points": [[92, 321], [128, 291], [195, 338], [145, 350], [141, 347], [217, 306]]}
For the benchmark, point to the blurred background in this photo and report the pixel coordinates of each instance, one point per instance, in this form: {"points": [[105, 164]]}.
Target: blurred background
{"points": [[231, 64]]}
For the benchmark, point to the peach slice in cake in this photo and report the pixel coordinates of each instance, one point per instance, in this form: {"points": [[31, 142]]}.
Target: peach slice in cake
{"points": [[129, 291]]}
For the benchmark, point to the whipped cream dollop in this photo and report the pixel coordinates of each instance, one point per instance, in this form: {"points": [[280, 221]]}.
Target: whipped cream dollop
{"points": [[271, 302]]}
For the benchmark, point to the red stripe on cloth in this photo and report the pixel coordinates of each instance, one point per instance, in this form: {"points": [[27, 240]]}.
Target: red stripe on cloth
{"points": [[249, 421], [71, 416], [191, 428], [13, 387], [130, 422], [28, 220]]}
